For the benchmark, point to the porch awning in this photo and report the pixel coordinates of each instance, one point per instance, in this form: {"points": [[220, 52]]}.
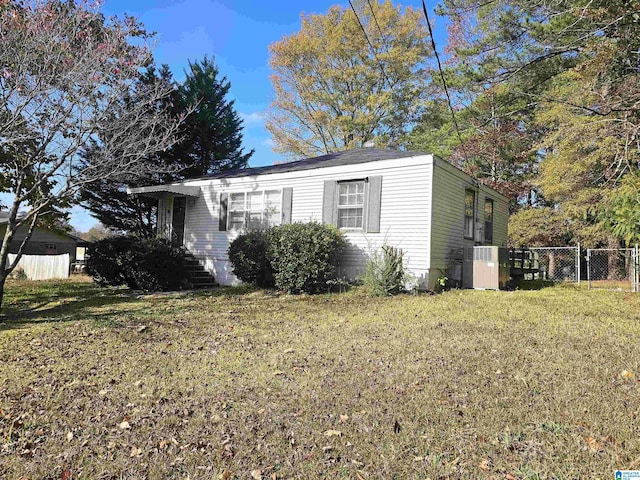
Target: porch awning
{"points": [[156, 191]]}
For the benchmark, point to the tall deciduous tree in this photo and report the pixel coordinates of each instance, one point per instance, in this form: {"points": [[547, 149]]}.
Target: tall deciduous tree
{"points": [[574, 64], [337, 88], [67, 77], [210, 140]]}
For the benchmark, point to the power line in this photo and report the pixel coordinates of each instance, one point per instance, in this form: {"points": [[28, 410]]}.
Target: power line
{"points": [[444, 81], [384, 74]]}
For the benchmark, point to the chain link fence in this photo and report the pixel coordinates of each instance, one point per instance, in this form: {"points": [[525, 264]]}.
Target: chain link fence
{"points": [[613, 268], [556, 264]]}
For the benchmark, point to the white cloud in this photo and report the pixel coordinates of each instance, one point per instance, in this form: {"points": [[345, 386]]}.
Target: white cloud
{"points": [[268, 142], [252, 119]]}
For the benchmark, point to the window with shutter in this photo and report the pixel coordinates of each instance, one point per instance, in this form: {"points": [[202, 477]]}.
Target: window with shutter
{"points": [[351, 204], [488, 220], [253, 210], [469, 212]]}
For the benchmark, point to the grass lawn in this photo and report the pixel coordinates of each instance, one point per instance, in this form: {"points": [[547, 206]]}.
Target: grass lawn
{"points": [[105, 384]]}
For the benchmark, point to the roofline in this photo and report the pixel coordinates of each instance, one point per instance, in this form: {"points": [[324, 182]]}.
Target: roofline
{"points": [[294, 165], [155, 190], [440, 162]]}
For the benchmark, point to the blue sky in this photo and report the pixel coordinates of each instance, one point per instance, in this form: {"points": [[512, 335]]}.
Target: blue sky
{"points": [[237, 34]]}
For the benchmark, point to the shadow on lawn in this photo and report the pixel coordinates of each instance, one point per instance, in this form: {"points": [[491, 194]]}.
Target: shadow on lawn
{"points": [[27, 304]]}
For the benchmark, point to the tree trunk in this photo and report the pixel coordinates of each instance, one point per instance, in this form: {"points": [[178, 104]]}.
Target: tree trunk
{"points": [[552, 266], [4, 258], [613, 264], [3, 279], [12, 227]]}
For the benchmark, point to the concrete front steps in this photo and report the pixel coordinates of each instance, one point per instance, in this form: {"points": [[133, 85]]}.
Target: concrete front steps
{"points": [[198, 276]]}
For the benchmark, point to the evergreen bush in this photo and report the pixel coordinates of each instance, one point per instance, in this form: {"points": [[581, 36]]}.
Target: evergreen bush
{"points": [[384, 272], [151, 264], [248, 255], [304, 256]]}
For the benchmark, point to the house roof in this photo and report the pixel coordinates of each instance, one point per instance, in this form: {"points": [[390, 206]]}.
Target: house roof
{"points": [[4, 218], [336, 159], [347, 157], [154, 190]]}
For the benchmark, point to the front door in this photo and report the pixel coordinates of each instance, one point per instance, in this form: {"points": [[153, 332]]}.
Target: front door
{"points": [[179, 210]]}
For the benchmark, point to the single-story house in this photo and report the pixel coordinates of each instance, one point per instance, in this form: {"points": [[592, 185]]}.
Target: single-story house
{"points": [[45, 242], [413, 201]]}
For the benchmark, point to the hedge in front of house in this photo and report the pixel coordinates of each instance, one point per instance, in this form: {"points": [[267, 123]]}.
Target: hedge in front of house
{"points": [[248, 256], [304, 256], [106, 261], [150, 264], [158, 266]]}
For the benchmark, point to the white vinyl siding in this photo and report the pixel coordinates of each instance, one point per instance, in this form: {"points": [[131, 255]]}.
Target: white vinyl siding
{"points": [[500, 220], [421, 211], [447, 221], [404, 212]]}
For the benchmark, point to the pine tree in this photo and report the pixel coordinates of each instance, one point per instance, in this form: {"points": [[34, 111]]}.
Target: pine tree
{"points": [[210, 141], [212, 134]]}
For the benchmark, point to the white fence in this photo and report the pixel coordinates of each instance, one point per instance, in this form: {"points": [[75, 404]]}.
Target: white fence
{"points": [[43, 267]]}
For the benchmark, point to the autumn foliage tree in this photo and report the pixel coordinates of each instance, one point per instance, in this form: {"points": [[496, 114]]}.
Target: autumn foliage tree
{"points": [[569, 71], [337, 86], [68, 77]]}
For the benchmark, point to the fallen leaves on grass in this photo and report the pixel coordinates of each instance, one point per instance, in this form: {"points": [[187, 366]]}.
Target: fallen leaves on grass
{"points": [[225, 475], [593, 445], [135, 452]]}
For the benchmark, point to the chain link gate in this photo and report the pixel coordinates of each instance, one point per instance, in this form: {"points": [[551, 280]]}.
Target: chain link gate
{"points": [[614, 268], [558, 264]]}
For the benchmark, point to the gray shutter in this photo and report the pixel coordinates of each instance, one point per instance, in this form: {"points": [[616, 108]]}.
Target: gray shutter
{"points": [[328, 202], [287, 198], [373, 204], [224, 206]]}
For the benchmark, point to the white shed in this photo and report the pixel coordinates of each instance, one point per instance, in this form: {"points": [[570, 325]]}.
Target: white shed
{"points": [[414, 201]]}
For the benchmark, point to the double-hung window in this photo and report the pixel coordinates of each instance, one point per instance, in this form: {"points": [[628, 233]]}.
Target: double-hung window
{"points": [[253, 210], [351, 204], [469, 212], [488, 220]]}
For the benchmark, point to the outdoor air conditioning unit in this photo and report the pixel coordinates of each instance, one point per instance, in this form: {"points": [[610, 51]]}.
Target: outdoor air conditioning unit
{"points": [[486, 268]]}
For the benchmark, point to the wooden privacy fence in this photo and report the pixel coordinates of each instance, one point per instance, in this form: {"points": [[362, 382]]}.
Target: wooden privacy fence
{"points": [[43, 267]]}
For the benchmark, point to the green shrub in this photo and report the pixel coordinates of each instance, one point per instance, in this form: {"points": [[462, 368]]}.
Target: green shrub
{"points": [[304, 256], [106, 260], [152, 265], [157, 266], [384, 272], [248, 255]]}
